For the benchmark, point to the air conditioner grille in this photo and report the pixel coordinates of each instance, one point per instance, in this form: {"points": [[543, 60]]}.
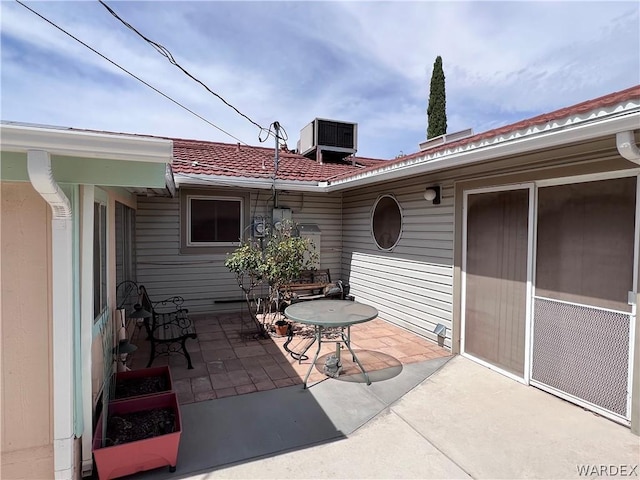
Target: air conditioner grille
{"points": [[335, 134]]}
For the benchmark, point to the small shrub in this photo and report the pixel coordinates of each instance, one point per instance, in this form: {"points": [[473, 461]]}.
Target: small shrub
{"points": [[275, 260]]}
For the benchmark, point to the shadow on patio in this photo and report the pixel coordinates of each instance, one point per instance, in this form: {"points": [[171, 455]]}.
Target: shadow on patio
{"points": [[244, 399]]}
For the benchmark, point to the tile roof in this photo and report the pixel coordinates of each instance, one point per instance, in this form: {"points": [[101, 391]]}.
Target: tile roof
{"points": [[632, 93], [198, 158], [195, 157]]}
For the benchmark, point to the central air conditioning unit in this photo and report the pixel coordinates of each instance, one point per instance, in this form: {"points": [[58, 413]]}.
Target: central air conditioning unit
{"points": [[328, 136]]}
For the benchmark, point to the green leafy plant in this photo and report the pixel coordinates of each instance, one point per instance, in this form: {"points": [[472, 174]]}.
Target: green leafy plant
{"points": [[273, 261]]}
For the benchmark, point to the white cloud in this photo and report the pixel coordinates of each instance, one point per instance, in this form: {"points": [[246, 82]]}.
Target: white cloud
{"points": [[368, 62]]}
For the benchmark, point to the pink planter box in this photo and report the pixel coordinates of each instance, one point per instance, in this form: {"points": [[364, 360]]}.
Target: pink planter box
{"points": [[149, 453], [143, 373]]}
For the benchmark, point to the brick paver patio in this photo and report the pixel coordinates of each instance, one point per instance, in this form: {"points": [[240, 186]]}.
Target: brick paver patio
{"points": [[228, 359]]}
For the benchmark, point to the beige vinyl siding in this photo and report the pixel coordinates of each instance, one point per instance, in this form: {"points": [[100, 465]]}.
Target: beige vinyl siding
{"points": [[411, 285], [324, 210], [202, 278]]}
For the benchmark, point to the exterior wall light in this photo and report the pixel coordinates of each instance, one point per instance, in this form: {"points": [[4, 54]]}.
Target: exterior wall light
{"points": [[432, 194]]}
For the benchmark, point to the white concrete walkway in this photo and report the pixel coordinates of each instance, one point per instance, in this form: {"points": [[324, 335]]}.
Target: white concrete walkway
{"points": [[464, 421]]}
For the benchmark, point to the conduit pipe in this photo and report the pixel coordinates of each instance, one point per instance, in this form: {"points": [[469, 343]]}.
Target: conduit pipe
{"points": [[626, 143], [41, 177]]}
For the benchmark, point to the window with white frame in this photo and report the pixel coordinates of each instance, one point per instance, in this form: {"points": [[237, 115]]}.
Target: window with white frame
{"points": [[213, 220]]}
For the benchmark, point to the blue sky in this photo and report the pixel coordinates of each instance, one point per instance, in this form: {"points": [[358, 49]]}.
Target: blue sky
{"points": [[364, 62]]}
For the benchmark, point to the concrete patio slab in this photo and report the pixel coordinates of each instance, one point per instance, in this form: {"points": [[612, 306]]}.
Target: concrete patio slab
{"points": [[242, 428], [495, 427], [463, 421], [387, 447]]}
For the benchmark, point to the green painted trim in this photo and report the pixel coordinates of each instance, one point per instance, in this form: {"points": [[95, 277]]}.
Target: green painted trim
{"points": [[89, 171], [13, 167], [108, 172]]}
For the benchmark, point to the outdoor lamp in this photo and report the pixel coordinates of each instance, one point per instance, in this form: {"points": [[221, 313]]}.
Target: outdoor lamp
{"points": [[120, 353], [440, 330], [140, 314], [124, 347], [432, 194]]}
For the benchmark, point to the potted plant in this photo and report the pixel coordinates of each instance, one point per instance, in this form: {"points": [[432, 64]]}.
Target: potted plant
{"points": [[274, 260], [281, 327]]}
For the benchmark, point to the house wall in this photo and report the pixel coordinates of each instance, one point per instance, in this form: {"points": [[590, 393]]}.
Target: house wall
{"points": [[597, 158], [417, 284], [202, 279], [27, 386], [411, 285], [587, 158]]}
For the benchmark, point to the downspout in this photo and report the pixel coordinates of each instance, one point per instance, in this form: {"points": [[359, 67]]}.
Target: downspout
{"points": [[626, 143], [41, 177]]}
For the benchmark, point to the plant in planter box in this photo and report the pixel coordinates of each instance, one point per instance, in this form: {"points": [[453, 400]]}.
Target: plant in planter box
{"points": [[142, 433], [274, 260], [145, 381]]}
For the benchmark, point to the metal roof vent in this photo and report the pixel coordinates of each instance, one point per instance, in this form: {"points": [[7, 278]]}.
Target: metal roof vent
{"points": [[446, 138]]}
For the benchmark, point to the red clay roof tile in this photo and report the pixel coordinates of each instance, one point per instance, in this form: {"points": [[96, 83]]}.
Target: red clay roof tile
{"points": [[194, 157]]}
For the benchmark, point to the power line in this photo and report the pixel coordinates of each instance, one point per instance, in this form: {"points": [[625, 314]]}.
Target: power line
{"points": [[131, 74], [167, 54]]}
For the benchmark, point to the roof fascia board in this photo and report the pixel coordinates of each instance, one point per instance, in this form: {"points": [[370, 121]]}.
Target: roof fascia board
{"points": [[447, 159], [18, 138], [183, 180]]}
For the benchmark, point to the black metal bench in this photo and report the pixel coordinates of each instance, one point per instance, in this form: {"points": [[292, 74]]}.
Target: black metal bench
{"points": [[313, 285], [169, 327]]}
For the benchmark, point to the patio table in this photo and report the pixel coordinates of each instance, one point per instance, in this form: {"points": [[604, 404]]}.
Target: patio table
{"points": [[331, 314]]}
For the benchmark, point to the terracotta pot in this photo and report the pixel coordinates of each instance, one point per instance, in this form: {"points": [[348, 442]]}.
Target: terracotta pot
{"points": [[137, 456], [282, 330]]}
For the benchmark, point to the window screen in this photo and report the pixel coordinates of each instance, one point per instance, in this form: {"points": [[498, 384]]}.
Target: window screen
{"points": [[214, 220]]}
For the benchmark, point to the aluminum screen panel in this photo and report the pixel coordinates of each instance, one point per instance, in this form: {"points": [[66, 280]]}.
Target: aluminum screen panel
{"points": [[583, 352]]}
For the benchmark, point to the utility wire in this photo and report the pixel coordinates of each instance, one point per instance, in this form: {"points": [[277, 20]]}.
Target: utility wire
{"points": [[131, 74], [167, 54]]}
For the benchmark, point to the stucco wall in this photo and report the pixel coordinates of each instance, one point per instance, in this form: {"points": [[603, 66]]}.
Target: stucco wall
{"points": [[27, 450]]}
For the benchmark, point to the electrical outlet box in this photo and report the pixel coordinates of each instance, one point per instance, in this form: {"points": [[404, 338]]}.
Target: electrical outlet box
{"points": [[259, 226], [281, 214]]}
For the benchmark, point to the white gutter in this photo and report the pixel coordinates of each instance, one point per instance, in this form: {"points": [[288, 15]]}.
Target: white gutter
{"points": [[185, 180], [39, 169], [56, 141], [626, 143], [469, 154]]}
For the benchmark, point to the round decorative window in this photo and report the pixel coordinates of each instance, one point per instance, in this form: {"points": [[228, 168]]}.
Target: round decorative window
{"points": [[386, 224]]}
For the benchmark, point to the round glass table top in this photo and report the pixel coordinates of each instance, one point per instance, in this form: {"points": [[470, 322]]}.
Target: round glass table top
{"points": [[330, 313]]}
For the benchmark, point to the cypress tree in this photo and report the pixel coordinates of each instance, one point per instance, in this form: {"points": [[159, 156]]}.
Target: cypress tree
{"points": [[437, 109]]}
